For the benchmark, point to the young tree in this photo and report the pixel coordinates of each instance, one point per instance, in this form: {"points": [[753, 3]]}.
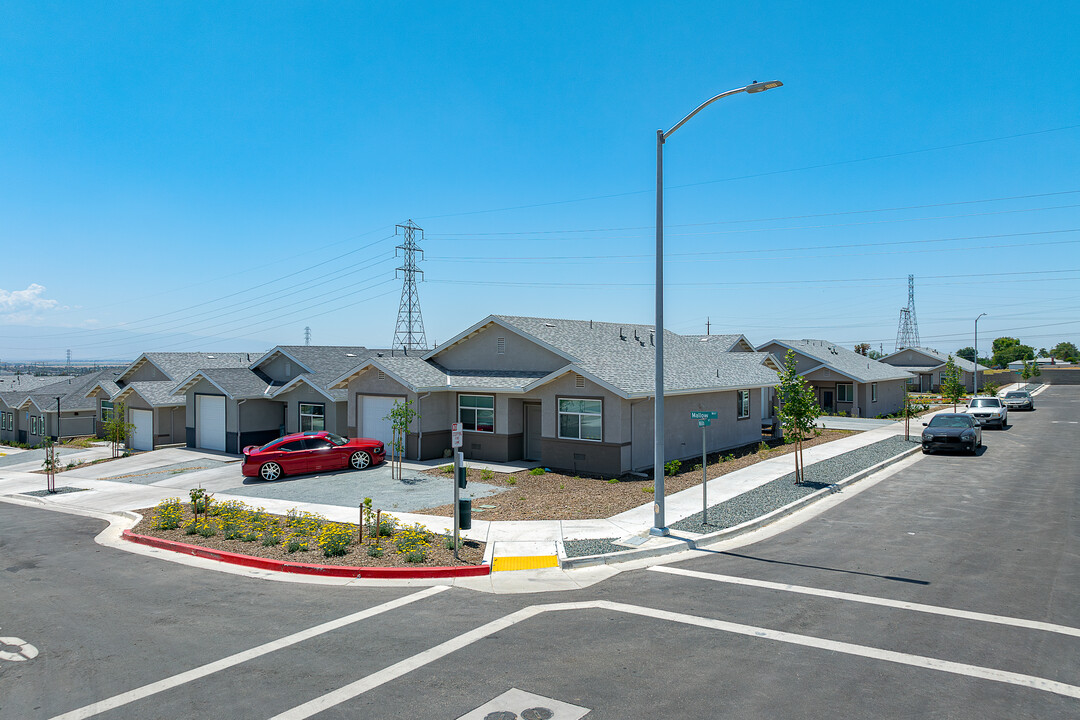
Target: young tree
{"points": [[117, 428], [1025, 373], [951, 387], [798, 409], [1035, 371], [401, 416]]}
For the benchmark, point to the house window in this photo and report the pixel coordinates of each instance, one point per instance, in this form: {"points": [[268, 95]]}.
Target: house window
{"points": [[912, 380], [477, 412], [106, 410], [34, 425], [873, 392], [844, 392], [312, 417], [500, 344], [581, 419], [5, 421], [743, 398]]}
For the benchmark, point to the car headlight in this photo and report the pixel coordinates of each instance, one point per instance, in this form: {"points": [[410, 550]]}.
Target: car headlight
{"points": [[968, 435], [927, 436]]}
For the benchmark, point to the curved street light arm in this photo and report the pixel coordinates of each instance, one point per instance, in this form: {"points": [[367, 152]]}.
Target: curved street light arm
{"points": [[701, 107]]}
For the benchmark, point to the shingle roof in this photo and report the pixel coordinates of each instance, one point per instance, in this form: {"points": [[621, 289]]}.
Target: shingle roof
{"points": [[327, 363], [179, 365], [848, 362], [159, 393], [237, 383], [727, 342], [27, 383], [72, 392], [493, 379], [942, 358]]}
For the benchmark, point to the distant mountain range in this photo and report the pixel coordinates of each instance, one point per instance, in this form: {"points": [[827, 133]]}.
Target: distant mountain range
{"points": [[25, 343]]}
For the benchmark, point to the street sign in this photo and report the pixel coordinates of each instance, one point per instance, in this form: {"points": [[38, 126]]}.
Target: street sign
{"points": [[703, 423], [455, 435], [703, 415]]}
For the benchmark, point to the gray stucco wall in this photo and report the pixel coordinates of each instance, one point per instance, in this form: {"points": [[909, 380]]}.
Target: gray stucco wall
{"points": [[147, 371], [332, 413], [480, 352], [281, 368]]}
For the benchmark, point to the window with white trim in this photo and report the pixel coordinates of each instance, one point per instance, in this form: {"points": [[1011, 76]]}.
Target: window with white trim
{"points": [[5, 421], [312, 417], [581, 419], [873, 392], [106, 410], [743, 398], [477, 413], [844, 392]]}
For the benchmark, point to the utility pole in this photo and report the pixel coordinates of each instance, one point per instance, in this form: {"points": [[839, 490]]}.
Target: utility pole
{"points": [[707, 326], [409, 330], [907, 331], [69, 361], [307, 335]]}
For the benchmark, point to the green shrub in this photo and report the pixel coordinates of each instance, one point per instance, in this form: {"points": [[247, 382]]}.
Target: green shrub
{"points": [[335, 539], [295, 543], [168, 514], [537, 471], [416, 556], [412, 538], [672, 467], [374, 551], [207, 529], [612, 481], [387, 525], [511, 481], [487, 474]]}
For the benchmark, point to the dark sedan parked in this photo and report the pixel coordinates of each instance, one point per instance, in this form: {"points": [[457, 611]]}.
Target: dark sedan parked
{"points": [[310, 452], [952, 431]]}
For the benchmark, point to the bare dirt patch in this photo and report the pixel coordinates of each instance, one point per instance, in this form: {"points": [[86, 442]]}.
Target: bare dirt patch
{"points": [[557, 496]]}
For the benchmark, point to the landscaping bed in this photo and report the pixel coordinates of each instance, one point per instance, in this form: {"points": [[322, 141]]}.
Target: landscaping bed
{"points": [[559, 496], [302, 537]]}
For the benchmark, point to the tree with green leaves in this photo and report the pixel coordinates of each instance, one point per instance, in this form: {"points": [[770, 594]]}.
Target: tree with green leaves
{"points": [[1035, 371], [798, 409], [117, 428], [951, 386], [1064, 351], [1025, 372], [401, 416], [967, 353], [1010, 349]]}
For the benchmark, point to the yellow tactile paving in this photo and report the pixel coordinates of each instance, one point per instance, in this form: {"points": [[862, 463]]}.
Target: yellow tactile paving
{"points": [[524, 562]]}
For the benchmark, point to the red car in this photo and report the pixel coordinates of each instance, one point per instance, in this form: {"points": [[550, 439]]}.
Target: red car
{"points": [[310, 452]]}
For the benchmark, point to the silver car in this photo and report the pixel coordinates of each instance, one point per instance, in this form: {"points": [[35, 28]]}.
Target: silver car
{"points": [[1019, 400]]}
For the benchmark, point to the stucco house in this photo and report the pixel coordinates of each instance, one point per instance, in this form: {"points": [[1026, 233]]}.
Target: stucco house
{"points": [[926, 367], [282, 391], [571, 394], [31, 416], [843, 380]]}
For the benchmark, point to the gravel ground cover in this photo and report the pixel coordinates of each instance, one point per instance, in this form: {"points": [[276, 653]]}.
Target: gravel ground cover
{"points": [[146, 477], [436, 554], [768, 497], [59, 491], [560, 496]]}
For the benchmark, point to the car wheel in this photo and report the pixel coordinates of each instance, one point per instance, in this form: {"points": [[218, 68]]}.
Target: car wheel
{"points": [[359, 460], [270, 471]]}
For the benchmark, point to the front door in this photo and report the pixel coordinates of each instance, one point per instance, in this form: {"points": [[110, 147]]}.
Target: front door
{"points": [[532, 431], [924, 383], [827, 400]]}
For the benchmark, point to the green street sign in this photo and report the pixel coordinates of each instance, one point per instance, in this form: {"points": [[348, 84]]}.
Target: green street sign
{"points": [[703, 423], [703, 415]]}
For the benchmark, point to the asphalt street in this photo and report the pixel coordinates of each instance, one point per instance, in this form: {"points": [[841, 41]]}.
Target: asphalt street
{"points": [[950, 589]]}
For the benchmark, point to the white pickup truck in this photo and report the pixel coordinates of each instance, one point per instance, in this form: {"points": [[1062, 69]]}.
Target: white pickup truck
{"points": [[988, 411]]}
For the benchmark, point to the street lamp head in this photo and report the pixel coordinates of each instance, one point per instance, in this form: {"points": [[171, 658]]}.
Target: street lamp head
{"points": [[756, 87]]}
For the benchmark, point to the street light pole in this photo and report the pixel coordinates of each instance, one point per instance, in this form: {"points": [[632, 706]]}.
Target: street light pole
{"points": [[659, 525], [975, 382]]}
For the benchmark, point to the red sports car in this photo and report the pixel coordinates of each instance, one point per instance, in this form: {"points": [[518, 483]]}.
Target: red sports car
{"points": [[310, 452]]}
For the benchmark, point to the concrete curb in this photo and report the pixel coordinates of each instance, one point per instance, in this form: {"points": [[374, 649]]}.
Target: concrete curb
{"points": [[681, 544], [340, 571]]}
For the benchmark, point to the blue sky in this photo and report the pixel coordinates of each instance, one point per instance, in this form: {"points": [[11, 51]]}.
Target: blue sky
{"points": [[180, 176]]}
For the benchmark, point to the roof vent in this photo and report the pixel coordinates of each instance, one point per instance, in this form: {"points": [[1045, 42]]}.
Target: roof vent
{"points": [[350, 354], [500, 345], [548, 325], [579, 381], [382, 375], [211, 357]]}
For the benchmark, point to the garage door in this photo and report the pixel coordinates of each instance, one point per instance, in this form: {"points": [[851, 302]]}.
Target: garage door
{"points": [[371, 410], [142, 437], [210, 422]]}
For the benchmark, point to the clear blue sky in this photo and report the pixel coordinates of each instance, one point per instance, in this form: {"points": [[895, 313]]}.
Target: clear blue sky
{"points": [[224, 174]]}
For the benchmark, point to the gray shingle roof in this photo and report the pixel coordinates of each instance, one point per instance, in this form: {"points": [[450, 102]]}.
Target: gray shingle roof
{"points": [[179, 365], [159, 393], [72, 392], [418, 373], [727, 342], [942, 358], [328, 363], [493, 379], [26, 383], [839, 358], [237, 383]]}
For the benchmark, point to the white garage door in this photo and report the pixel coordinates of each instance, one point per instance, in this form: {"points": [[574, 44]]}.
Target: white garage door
{"points": [[210, 422], [371, 409], [142, 437]]}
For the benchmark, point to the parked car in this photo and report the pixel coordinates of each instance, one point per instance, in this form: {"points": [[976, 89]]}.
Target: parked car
{"points": [[988, 411], [952, 431], [1019, 400], [310, 452]]}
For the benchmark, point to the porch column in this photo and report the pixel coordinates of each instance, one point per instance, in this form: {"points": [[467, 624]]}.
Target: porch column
{"points": [[855, 399]]}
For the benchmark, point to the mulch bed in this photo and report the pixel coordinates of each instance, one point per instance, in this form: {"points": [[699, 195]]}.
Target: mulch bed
{"points": [[437, 555], [557, 496]]}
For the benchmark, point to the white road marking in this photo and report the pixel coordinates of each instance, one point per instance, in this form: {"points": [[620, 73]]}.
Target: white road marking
{"points": [[26, 650], [871, 600], [219, 665], [397, 670]]}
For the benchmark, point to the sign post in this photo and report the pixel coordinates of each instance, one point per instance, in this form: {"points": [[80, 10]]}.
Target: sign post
{"points": [[704, 419], [455, 443]]}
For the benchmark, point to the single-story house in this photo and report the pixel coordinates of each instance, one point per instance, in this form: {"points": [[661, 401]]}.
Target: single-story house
{"points": [[843, 380], [14, 424], [570, 394], [283, 391], [56, 409], [926, 367], [1018, 365], [146, 387]]}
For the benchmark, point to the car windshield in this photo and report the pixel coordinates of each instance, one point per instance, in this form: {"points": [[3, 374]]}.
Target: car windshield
{"points": [[336, 439], [1016, 395], [985, 402], [950, 421]]}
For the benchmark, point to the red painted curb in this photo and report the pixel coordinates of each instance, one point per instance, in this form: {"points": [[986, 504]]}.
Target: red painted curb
{"points": [[308, 568]]}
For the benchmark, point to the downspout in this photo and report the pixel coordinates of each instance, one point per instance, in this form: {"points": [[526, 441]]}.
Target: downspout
{"points": [[420, 422]]}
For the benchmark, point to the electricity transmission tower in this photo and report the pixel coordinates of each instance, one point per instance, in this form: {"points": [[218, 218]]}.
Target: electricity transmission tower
{"points": [[307, 335], [409, 330], [907, 332]]}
